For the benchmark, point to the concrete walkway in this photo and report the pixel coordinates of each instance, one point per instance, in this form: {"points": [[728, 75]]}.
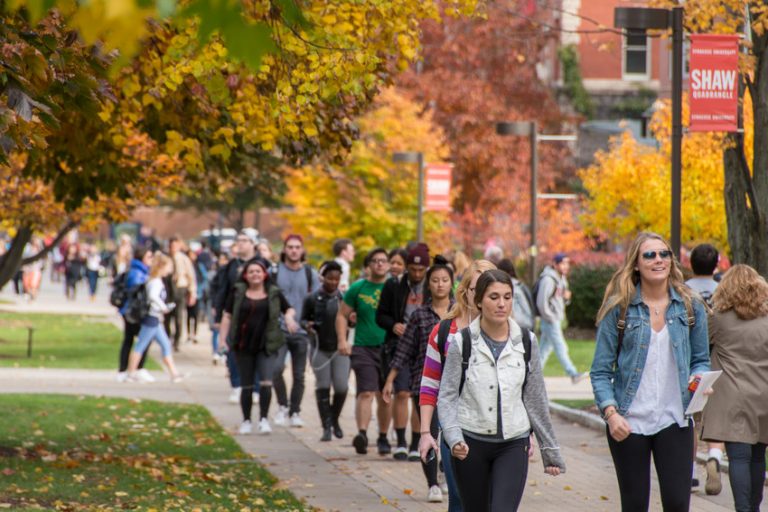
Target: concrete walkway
{"points": [[330, 476]]}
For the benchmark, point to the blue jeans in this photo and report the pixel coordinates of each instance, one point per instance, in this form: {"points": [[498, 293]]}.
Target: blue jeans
{"points": [[552, 339], [747, 474], [215, 341], [148, 333], [454, 501]]}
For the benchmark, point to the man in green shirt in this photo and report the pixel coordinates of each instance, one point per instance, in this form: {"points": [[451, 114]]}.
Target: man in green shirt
{"points": [[359, 307]]}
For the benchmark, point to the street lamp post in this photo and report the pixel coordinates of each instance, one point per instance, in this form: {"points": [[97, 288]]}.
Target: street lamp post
{"points": [[415, 157], [529, 128], [642, 18]]}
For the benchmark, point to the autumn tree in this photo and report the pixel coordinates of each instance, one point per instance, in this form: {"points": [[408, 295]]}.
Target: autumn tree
{"points": [[745, 175], [617, 211], [367, 197], [474, 73]]}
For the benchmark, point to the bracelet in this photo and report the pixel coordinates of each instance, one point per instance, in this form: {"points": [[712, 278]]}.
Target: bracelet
{"points": [[608, 415], [425, 432]]}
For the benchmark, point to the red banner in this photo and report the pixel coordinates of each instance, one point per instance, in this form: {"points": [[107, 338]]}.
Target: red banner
{"points": [[714, 82], [437, 178]]}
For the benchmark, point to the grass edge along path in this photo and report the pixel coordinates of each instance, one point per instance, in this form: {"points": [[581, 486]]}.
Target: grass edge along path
{"points": [[61, 341], [75, 453]]}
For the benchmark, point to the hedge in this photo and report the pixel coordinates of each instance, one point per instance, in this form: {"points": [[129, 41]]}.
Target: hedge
{"points": [[587, 283]]}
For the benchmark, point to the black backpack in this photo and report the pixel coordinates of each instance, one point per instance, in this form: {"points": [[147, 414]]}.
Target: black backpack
{"points": [[535, 295], [138, 305], [119, 295], [466, 349]]}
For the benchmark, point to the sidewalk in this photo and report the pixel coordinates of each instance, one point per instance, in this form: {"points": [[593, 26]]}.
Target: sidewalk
{"points": [[330, 476]]}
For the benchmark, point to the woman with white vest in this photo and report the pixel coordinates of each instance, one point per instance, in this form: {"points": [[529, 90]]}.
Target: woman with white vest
{"points": [[488, 410]]}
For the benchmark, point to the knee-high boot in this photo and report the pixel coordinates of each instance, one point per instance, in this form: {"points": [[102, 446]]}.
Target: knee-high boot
{"points": [[336, 407], [324, 408]]}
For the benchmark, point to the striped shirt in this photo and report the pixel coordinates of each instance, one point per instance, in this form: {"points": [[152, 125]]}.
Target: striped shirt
{"points": [[433, 366]]}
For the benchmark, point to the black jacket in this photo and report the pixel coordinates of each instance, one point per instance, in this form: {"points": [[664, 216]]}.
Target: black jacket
{"points": [[391, 308], [226, 282]]}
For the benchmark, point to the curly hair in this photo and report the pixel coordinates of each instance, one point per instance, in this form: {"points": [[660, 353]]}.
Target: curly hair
{"points": [[744, 291]]}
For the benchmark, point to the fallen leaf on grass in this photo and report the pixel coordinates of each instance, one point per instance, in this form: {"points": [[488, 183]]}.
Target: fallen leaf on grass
{"points": [[8, 471]]}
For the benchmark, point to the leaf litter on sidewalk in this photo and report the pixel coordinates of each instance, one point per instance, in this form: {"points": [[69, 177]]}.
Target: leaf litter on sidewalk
{"points": [[80, 453]]}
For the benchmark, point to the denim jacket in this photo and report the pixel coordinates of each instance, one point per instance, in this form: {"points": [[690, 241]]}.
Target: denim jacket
{"points": [[690, 346]]}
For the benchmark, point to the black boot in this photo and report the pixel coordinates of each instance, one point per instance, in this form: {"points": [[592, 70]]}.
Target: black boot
{"points": [[336, 407], [324, 408]]}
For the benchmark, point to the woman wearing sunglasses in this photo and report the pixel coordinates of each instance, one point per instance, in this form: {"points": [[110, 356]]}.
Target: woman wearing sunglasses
{"points": [[651, 342]]}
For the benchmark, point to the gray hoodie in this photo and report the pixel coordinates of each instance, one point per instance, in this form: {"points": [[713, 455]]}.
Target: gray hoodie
{"points": [[549, 298]]}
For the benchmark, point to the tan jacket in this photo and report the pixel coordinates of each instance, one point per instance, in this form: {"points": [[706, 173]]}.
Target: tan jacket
{"points": [[738, 409], [184, 273]]}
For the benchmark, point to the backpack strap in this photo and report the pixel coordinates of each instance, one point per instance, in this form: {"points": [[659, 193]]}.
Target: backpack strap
{"points": [[308, 273], [621, 325], [443, 331], [466, 351], [527, 354]]}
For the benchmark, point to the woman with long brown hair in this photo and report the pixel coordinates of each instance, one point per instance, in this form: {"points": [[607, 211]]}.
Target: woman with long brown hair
{"points": [[651, 341], [737, 412]]}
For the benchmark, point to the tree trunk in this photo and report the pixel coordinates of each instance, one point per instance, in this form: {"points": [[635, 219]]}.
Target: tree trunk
{"points": [[746, 194], [11, 261]]}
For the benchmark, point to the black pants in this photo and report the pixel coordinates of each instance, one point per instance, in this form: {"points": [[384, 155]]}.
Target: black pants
{"points": [[192, 312], [672, 450], [130, 331], [429, 468], [492, 477], [298, 345], [249, 366]]}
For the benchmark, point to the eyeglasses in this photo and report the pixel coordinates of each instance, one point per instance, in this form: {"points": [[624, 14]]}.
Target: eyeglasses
{"points": [[651, 255], [379, 262], [472, 289]]}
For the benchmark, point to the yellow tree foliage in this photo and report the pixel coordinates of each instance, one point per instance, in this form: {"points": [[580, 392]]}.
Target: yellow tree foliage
{"points": [[368, 198], [629, 185]]}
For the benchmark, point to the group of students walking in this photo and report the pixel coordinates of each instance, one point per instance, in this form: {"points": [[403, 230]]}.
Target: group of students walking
{"points": [[411, 333]]}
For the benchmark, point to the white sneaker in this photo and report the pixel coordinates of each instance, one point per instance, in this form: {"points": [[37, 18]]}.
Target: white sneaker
{"points": [[144, 376], [264, 427], [234, 396], [245, 427], [281, 416], [435, 495], [296, 421], [122, 376]]}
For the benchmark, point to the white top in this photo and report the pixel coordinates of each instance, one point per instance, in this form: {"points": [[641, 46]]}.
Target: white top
{"points": [[345, 271], [156, 295], [657, 403], [93, 262]]}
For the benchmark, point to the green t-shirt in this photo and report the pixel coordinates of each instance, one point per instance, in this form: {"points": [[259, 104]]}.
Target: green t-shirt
{"points": [[363, 297]]}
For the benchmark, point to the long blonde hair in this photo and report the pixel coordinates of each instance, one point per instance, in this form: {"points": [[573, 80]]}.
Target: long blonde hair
{"points": [[462, 306], [622, 287], [744, 291], [159, 262], [460, 264]]}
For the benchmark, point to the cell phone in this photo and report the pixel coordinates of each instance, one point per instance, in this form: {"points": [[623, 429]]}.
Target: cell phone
{"points": [[431, 455]]}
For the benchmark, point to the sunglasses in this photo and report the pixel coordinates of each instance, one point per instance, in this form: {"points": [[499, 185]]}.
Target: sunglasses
{"points": [[651, 255]]}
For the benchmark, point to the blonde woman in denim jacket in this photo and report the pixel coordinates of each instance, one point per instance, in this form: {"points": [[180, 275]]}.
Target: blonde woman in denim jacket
{"points": [[641, 387]]}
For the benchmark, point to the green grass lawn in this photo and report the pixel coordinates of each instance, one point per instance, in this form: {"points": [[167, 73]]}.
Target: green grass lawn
{"points": [[61, 341], [575, 403], [76, 453], [581, 352]]}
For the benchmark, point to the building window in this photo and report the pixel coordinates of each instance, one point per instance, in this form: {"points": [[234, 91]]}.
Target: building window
{"points": [[636, 56]]}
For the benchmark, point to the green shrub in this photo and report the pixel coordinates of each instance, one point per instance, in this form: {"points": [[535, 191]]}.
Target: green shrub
{"points": [[587, 283]]}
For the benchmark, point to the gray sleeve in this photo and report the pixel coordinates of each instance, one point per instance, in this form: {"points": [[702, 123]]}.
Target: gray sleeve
{"points": [[315, 281], [537, 406], [546, 291], [448, 398]]}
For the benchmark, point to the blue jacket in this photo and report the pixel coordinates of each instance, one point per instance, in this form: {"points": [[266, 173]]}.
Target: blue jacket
{"points": [[138, 273], [690, 346]]}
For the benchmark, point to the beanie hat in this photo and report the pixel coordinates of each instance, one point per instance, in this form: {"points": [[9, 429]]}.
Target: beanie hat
{"points": [[418, 255]]}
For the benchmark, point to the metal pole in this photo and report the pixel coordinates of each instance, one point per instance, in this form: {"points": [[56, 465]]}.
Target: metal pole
{"points": [[534, 188], [420, 219], [677, 124]]}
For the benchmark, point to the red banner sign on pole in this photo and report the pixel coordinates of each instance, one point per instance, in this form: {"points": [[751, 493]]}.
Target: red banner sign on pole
{"points": [[437, 179], [714, 82]]}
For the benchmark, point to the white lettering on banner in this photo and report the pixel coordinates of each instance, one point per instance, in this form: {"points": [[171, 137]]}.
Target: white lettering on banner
{"points": [[713, 79]]}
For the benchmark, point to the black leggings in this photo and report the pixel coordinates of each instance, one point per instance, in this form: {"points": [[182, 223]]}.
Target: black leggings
{"points": [[192, 320], [492, 477], [429, 468], [672, 450], [130, 331], [249, 365]]}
